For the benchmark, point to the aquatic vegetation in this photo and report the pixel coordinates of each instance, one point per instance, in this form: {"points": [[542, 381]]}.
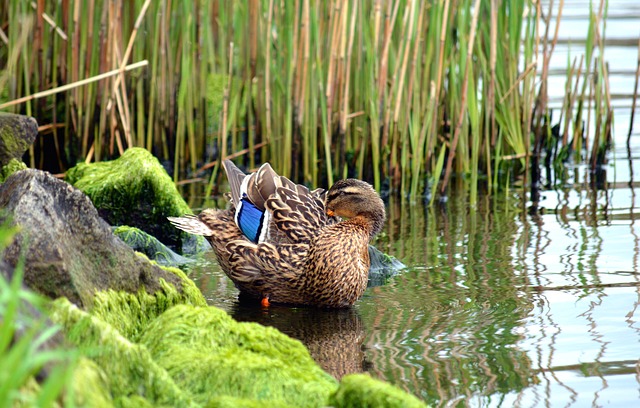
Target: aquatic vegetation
{"points": [[405, 94]]}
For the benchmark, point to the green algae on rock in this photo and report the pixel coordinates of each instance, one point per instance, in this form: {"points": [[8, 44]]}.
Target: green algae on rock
{"points": [[125, 368], [208, 352], [233, 402], [130, 313], [362, 391], [135, 190], [199, 356], [17, 133], [10, 168], [90, 385], [151, 247]]}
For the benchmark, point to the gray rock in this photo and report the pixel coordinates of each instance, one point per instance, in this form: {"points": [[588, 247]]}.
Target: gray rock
{"points": [[68, 249], [17, 133]]}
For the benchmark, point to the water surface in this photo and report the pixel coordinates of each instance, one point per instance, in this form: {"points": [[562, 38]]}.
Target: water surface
{"points": [[511, 303]]}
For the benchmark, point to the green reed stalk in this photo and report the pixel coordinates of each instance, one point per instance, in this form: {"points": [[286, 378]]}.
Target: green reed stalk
{"points": [[385, 90]]}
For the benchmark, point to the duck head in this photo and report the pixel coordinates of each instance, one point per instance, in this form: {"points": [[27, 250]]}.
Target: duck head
{"points": [[352, 198]]}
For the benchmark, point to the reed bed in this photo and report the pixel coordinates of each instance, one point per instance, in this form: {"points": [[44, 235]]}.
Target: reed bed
{"points": [[411, 95]]}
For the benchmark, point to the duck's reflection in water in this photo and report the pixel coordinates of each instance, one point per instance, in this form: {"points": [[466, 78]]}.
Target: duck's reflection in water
{"points": [[334, 337]]}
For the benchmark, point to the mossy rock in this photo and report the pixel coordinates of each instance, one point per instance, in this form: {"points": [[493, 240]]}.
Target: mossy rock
{"points": [[66, 248], [10, 168], [136, 190], [17, 133], [193, 355], [208, 352], [123, 369], [144, 243], [362, 391], [130, 313], [189, 356], [383, 267]]}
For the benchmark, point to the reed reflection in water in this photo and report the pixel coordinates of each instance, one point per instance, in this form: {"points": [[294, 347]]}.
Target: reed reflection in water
{"points": [[511, 303]]}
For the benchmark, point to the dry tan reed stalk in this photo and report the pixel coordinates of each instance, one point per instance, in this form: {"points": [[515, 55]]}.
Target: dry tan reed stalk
{"points": [[385, 100], [565, 113], [298, 45], [334, 42], [132, 37], [231, 156], [121, 103], [377, 16], [306, 59], [463, 96], [434, 118], [49, 21], [72, 85], [3, 37], [546, 56], [416, 47], [520, 78], [254, 11], [347, 71]]}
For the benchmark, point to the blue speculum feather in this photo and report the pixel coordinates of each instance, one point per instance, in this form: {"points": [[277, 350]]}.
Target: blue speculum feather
{"points": [[250, 219]]}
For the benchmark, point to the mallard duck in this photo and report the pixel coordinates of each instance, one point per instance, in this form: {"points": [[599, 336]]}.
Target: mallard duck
{"points": [[282, 243]]}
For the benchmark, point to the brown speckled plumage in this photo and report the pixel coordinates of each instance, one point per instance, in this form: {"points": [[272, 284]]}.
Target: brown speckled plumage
{"points": [[308, 257]]}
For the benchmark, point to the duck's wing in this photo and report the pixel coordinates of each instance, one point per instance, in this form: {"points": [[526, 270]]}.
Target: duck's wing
{"points": [[255, 187], [261, 185], [235, 176], [298, 213]]}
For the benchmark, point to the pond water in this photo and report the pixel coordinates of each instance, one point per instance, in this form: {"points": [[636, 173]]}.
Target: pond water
{"points": [[511, 303]]}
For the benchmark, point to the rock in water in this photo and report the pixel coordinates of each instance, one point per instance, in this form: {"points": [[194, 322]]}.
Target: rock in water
{"points": [[135, 190], [68, 249], [17, 133]]}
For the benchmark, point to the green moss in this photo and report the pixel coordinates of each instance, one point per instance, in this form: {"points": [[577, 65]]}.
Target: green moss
{"points": [[206, 351], [233, 402], [127, 368], [10, 168], [135, 190], [90, 385], [151, 247], [362, 391], [130, 313]]}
